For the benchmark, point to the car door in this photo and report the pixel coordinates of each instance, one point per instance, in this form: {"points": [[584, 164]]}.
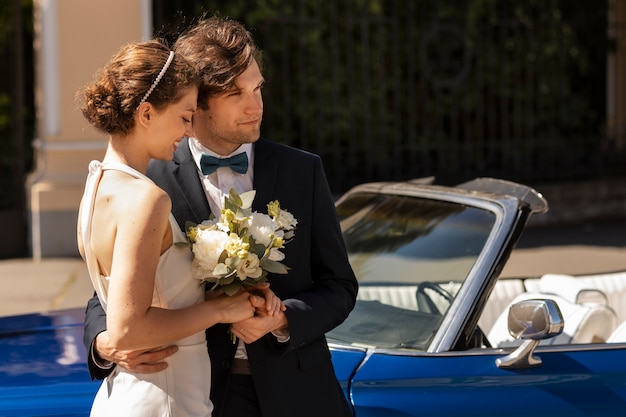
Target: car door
{"points": [[571, 381]]}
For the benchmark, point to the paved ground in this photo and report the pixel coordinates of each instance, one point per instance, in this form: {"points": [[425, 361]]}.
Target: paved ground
{"points": [[27, 285], [586, 248]]}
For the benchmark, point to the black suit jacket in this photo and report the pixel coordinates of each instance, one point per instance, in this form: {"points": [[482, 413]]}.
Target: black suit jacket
{"points": [[295, 378]]}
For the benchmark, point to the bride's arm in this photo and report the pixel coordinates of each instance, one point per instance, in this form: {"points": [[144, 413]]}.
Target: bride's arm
{"points": [[143, 233]]}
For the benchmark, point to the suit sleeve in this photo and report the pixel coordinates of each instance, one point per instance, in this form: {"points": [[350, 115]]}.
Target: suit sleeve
{"points": [[332, 295], [95, 323]]}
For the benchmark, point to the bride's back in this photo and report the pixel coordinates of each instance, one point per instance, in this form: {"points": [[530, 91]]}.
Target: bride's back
{"points": [[123, 201]]}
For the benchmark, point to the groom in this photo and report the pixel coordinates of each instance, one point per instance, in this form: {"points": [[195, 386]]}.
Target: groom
{"points": [[281, 365]]}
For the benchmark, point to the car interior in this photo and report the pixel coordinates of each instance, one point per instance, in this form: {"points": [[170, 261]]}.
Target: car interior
{"points": [[405, 316], [591, 306]]}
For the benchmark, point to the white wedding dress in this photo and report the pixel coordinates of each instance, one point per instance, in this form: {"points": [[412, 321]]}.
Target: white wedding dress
{"points": [[182, 389]]}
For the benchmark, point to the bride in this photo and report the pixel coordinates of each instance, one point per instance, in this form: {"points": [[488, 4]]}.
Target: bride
{"points": [[144, 99]]}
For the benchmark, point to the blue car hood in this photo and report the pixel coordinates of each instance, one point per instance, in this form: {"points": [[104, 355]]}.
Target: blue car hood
{"points": [[43, 365]]}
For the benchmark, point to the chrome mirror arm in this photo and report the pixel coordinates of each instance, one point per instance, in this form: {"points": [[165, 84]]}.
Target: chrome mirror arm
{"points": [[522, 357]]}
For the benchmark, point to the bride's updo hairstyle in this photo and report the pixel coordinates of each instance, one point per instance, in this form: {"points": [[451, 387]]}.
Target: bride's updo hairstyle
{"points": [[137, 73]]}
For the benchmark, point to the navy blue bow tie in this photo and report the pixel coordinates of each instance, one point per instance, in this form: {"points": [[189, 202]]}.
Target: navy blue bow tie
{"points": [[238, 163]]}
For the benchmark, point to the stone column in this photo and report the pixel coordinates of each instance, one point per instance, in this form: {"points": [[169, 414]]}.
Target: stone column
{"points": [[73, 38]]}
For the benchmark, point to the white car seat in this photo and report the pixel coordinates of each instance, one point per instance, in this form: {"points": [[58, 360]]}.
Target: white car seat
{"points": [[618, 335], [401, 296], [584, 323], [571, 289]]}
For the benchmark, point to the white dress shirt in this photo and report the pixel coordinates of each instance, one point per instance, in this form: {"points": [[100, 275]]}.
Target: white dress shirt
{"points": [[216, 186]]}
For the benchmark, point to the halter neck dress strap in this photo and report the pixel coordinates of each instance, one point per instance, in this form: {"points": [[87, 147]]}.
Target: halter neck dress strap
{"points": [[96, 169]]}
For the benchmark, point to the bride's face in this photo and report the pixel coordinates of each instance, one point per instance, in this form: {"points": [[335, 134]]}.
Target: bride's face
{"points": [[172, 124]]}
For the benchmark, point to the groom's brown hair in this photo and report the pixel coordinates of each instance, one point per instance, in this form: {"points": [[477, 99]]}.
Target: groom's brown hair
{"points": [[220, 49]]}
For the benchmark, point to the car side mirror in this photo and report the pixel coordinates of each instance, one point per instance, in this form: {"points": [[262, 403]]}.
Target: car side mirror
{"points": [[531, 321]]}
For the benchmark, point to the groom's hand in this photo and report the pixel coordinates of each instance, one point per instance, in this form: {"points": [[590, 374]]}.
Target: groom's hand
{"points": [[254, 328], [140, 361]]}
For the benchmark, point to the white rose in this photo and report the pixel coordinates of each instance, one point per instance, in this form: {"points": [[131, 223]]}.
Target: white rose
{"points": [[249, 267], [276, 255], [286, 220], [207, 249], [261, 227]]}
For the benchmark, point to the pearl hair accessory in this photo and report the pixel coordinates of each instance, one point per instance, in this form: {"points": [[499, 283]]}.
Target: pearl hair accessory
{"points": [[158, 78]]}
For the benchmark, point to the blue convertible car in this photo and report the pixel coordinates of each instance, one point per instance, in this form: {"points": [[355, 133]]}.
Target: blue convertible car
{"points": [[435, 332]]}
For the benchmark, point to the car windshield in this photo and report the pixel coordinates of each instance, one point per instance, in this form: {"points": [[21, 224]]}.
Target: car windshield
{"points": [[411, 256]]}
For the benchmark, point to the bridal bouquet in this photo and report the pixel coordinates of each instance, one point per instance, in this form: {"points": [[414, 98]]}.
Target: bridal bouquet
{"points": [[240, 247]]}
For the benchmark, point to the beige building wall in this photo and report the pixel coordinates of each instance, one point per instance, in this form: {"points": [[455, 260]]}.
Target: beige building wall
{"points": [[73, 38]]}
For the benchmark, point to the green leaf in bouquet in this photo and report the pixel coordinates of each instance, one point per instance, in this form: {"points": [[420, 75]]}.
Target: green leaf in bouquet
{"points": [[229, 205], [232, 263], [257, 248], [223, 257], [189, 225], [234, 197], [273, 266], [228, 279], [231, 288], [253, 281], [221, 269], [239, 204], [232, 202]]}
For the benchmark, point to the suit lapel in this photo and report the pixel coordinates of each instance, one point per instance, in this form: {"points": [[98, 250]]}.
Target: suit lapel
{"points": [[186, 174], [265, 172]]}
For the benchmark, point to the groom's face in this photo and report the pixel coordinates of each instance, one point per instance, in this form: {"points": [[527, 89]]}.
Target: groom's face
{"points": [[234, 117]]}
